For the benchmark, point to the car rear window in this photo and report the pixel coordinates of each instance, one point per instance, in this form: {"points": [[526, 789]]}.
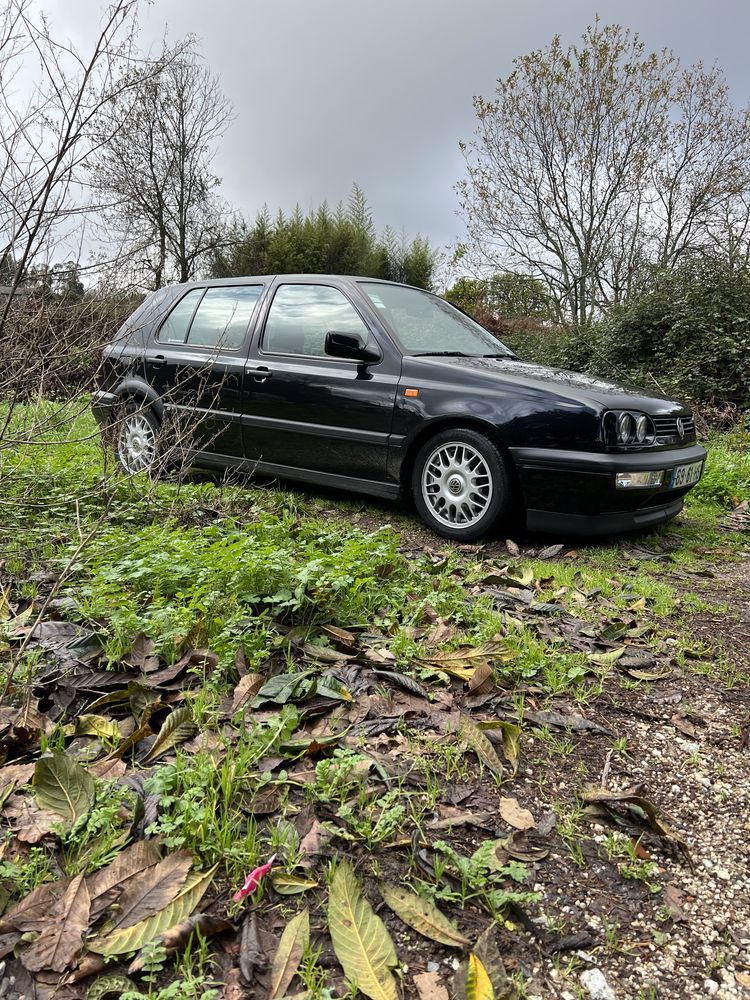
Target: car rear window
{"points": [[222, 318], [175, 327]]}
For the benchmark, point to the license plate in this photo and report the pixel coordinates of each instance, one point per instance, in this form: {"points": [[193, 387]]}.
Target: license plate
{"points": [[686, 475]]}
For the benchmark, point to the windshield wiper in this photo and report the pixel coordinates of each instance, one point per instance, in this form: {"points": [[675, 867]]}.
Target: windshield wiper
{"points": [[507, 355], [443, 354]]}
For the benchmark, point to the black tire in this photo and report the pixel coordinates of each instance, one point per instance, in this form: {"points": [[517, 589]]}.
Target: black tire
{"points": [[136, 434], [461, 497]]}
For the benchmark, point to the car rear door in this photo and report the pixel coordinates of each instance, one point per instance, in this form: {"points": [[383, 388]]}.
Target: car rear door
{"points": [[306, 410], [196, 362]]}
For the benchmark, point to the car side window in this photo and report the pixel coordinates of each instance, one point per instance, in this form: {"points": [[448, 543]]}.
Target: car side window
{"points": [[301, 315], [175, 327], [222, 318]]}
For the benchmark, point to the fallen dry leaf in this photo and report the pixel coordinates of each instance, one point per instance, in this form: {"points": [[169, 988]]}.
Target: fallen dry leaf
{"points": [[248, 687], [478, 983], [61, 937], [645, 811], [62, 785], [294, 940], [516, 815], [29, 823], [89, 965], [423, 916], [674, 900], [255, 948], [474, 738], [142, 656], [108, 769], [310, 843], [106, 885], [430, 986], [15, 775], [482, 680], [134, 937], [33, 911], [151, 890], [679, 721], [360, 939]]}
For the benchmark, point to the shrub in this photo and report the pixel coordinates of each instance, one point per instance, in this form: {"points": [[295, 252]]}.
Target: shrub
{"points": [[689, 333], [52, 347]]}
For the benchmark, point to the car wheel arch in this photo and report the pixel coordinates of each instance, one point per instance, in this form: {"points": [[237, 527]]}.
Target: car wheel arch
{"points": [[135, 391], [435, 427]]}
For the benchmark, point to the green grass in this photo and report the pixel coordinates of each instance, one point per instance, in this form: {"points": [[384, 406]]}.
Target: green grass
{"points": [[213, 564], [726, 479]]}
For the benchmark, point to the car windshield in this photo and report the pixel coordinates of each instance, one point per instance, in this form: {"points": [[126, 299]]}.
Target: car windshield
{"points": [[428, 325]]}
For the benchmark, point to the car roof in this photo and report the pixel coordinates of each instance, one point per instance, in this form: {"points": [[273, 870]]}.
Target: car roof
{"points": [[265, 278]]}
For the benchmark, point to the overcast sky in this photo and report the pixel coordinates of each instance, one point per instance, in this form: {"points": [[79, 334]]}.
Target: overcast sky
{"points": [[327, 92]]}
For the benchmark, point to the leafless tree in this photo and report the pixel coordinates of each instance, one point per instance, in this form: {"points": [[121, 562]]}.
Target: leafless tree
{"points": [[58, 109], [54, 110], [52, 99], [595, 159], [154, 167]]}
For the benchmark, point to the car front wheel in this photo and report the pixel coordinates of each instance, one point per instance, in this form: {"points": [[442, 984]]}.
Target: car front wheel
{"points": [[137, 439], [460, 484]]}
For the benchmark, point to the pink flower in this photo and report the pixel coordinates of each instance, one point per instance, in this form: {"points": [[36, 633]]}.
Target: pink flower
{"points": [[253, 880]]}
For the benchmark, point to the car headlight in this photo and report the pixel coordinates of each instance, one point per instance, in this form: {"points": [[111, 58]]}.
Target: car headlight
{"points": [[624, 427]]}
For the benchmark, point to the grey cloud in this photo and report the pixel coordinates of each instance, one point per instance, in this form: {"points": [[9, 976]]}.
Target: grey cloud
{"points": [[328, 92]]}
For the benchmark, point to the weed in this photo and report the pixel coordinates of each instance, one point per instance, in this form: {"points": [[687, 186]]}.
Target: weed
{"points": [[569, 827], [199, 798], [372, 819], [624, 850], [313, 974], [474, 880], [98, 837], [22, 875]]}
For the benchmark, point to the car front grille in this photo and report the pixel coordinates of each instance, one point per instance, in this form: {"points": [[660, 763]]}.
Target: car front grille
{"points": [[667, 426]]}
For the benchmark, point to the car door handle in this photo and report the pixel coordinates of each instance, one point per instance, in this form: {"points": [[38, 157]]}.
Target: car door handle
{"points": [[259, 374], [158, 361]]}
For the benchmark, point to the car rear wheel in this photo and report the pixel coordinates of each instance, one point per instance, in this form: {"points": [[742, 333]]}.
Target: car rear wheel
{"points": [[460, 484], [137, 439]]}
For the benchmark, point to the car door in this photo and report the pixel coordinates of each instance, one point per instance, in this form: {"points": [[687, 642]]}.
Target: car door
{"points": [[197, 363], [306, 410]]}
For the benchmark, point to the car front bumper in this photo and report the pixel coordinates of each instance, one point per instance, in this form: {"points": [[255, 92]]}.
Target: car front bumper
{"points": [[574, 492]]}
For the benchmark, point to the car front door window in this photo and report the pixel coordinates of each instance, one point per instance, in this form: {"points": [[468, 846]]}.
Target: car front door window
{"points": [[301, 315]]}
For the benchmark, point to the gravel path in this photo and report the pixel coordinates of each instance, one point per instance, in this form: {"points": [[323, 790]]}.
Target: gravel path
{"points": [[692, 939]]}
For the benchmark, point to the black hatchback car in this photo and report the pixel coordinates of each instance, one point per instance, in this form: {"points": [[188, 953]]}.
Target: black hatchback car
{"points": [[389, 390]]}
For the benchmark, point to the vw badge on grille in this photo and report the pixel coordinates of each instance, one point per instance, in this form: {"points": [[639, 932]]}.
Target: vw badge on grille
{"points": [[680, 428]]}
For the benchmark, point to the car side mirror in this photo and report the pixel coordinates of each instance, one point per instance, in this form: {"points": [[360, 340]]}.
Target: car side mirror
{"points": [[351, 346]]}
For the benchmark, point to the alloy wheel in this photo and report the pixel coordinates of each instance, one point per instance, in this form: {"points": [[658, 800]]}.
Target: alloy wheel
{"points": [[136, 444], [457, 484]]}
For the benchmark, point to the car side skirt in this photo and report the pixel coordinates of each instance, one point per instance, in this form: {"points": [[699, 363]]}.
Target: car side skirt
{"points": [[369, 487]]}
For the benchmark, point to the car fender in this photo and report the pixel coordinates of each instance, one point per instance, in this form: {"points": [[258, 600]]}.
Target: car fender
{"points": [[136, 388]]}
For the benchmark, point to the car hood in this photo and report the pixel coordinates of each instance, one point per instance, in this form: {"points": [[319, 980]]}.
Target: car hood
{"points": [[587, 389]]}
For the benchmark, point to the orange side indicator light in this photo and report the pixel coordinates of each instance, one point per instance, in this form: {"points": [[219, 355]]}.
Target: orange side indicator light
{"points": [[411, 393]]}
